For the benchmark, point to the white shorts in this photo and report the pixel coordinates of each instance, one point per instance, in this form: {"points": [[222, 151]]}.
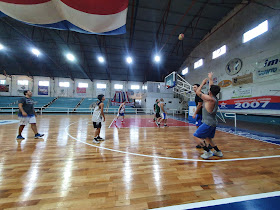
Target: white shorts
{"points": [[163, 116], [26, 120]]}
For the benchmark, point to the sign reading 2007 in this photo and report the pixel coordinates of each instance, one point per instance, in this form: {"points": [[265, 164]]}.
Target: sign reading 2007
{"points": [[261, 102]]}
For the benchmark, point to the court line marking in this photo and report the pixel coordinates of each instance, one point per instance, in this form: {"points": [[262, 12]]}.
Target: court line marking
{"points": [[222, 201], [111, 123], [168, 158]]}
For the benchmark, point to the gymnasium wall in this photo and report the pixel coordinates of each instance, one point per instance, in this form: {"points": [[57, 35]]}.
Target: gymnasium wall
{"points": [[253, 53], [72, 91]]}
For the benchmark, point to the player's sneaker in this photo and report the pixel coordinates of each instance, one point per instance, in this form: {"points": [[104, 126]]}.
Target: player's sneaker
{"points": [[207, 155], [166, 125], [100, 139], [38, 135], [95, 140], [218, 154], [20, 137]]}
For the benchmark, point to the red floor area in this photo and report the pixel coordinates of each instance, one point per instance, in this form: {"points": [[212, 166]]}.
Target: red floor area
{"points": [[145, 123]]}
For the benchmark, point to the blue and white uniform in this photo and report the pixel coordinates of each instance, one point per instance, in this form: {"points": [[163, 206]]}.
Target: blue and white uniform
{"points": [[163, 114], [122, 110]]}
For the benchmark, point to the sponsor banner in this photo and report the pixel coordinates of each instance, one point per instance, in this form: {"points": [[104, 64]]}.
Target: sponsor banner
{"points": [[261, 102], [22, 88], [4, 88], [242, 93], [81, 90], [43, 90], [268, 72], [241, 80], [268, 66], [215, 81], [225, 83]]}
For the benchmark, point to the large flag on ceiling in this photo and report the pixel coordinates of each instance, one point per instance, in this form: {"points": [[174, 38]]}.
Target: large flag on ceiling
{"points": [[106, 17]]}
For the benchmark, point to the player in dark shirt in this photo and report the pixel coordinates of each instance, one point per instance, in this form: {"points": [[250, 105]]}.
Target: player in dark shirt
{"points": [[198, 112], [27, 114]]}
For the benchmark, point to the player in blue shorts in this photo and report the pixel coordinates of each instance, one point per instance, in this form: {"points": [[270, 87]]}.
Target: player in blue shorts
{"points": [[209, 122], [198, 115]]}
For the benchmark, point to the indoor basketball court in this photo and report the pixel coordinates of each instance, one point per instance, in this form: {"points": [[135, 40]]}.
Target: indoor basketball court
{"points": [[135, 104]]}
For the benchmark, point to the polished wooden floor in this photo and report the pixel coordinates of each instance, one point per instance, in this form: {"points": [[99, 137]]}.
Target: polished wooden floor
{"points": [[64, 170]]}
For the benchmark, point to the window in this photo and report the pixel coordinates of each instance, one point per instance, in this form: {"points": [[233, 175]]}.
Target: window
{"points": [[185, 71], [118, 87], [135, 87], [2, 82], [144, 87], [44, 83], [22, 82], [253, 33], [101, 86], [64, 84], [82, 85], [219, 52], [198, 63]]}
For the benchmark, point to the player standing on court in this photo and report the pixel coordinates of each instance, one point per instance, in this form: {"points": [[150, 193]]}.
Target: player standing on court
{"points": [[208, 128], [121, 111], [97, 115], [27, 115], [157, 112], [163, 113]]}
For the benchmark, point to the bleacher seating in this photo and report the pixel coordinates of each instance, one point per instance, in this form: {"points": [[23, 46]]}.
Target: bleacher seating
{"points": [[85, 105], [42, 101], [63, 104], [9, 101]]}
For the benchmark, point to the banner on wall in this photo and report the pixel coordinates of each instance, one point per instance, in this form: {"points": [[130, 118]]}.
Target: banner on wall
{"points": [[242, 80], [100, 91], [63, 92], [268, 66], [22, 88], [242, 93], [4, 88], [43, 90], [215, 81], [225, 83], [81, 90], [261, 102]]}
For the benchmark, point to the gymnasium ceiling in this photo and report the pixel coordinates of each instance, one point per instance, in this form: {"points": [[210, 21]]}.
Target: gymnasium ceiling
{"points": [[152, 26]]}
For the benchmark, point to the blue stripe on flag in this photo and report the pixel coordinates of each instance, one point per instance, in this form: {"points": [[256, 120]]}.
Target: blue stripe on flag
{"points": [[66, 25]]}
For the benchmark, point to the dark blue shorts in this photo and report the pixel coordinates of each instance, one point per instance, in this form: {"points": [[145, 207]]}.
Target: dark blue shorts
{"points": [[121, 114], [198, 120], [205, 131]]}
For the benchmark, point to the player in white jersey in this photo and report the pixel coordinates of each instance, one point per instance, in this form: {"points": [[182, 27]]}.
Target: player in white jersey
{"points": [[97, 118], [163, 113], [121, 111]]}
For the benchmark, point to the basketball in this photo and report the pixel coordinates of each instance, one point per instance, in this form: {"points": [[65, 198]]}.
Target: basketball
{"points": [[181, 37]]}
